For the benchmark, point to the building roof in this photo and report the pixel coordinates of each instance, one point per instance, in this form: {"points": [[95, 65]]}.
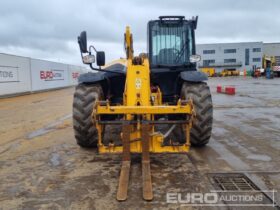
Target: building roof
{"points": [[231, 43]]}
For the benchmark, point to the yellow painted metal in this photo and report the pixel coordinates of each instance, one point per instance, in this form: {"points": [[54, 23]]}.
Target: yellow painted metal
{"points": [[155, 147], [186, 109], [209, 71], [227, 72], [139, 101], [119, 61], [137, 87], [156, 98], [128, 42], [268, 60]]}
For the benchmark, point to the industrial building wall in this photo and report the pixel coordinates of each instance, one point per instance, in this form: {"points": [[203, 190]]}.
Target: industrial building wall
{"points": [[217, 52], [23, 75], [272, 49]]}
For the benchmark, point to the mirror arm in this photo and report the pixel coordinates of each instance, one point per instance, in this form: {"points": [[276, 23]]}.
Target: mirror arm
{"points": [[91, 46], [96, 69]]}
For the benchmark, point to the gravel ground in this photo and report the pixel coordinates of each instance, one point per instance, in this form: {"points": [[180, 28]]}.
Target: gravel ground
{"points": [[41, 167]]}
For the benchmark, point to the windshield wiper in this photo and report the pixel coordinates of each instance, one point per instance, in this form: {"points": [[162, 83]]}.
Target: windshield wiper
{"points": [[181, 52]]}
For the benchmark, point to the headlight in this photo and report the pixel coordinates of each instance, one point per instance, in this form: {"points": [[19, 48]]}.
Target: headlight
{"points": [[89, 59], [195, 58]]}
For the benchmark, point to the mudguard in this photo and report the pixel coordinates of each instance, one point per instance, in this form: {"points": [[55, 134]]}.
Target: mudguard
{"points": [[91, 77], [193, 76]]}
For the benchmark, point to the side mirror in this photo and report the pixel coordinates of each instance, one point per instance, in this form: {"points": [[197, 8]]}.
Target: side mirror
{"points": [[100, 58], [82, 40]]}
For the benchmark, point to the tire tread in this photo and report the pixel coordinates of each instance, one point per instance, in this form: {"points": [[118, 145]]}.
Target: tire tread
{"points": [[202, 126], [84, 98]]}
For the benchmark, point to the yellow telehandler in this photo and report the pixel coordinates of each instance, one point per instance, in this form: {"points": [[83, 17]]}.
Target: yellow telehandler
{"points": [[136, 96]]}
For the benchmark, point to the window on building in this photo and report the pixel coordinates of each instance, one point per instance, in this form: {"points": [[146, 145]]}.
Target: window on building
{"points": [[257, 50], [247, 57], [256, 59], [208, 51], [208, 62], [277, 59], [229, 50], [230, 60]]}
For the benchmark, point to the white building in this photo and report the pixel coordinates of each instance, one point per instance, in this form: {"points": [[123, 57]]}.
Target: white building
{"points": [[239, 56]]}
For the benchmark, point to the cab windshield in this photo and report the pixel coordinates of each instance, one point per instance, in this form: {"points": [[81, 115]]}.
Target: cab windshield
{"points": [[171, 44]]}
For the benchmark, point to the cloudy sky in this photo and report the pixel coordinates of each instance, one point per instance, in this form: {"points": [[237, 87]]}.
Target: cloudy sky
{"points": [[48, 29]]}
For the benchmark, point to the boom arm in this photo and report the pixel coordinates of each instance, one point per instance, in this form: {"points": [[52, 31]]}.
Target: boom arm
{"points": [[128, 43]]}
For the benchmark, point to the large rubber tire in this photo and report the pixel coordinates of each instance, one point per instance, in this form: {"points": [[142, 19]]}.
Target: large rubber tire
{"points": [[84, 98], [202, 126]]}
